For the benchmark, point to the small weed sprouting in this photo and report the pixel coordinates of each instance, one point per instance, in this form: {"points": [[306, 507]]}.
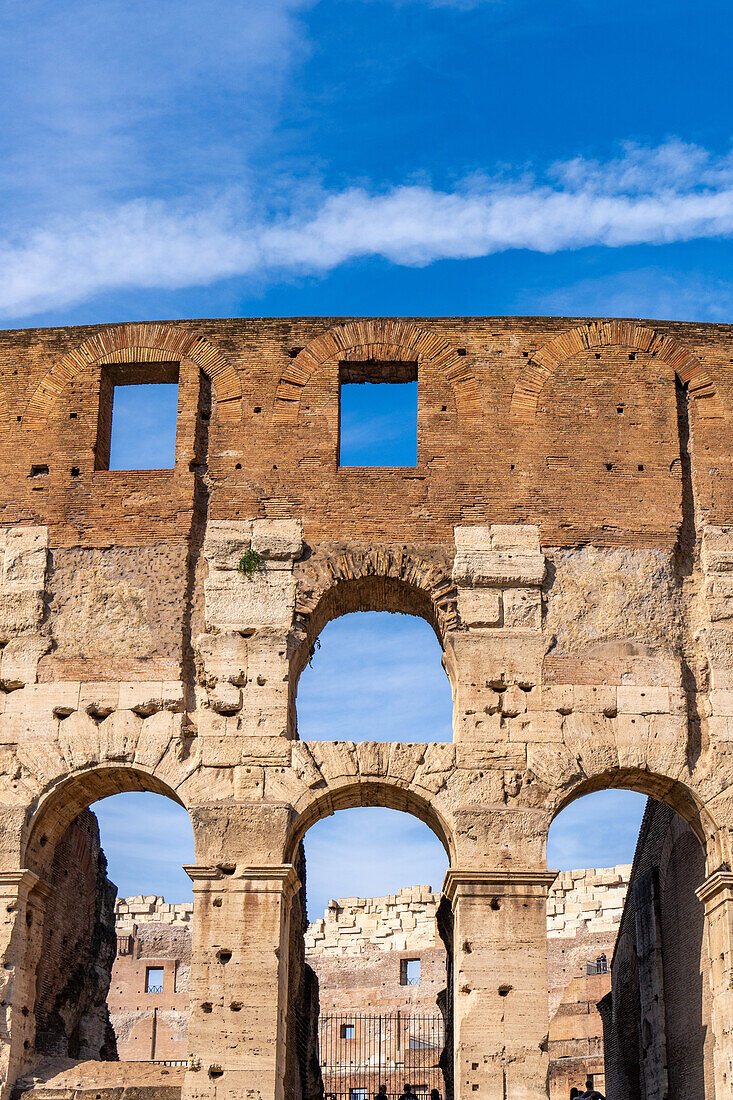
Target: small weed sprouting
{"points": [[249, 562]]}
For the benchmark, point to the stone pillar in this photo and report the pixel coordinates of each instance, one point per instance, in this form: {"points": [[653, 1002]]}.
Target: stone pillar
{"points": [[716, 894], [500, 1007], [239, 982], [23, 897]]}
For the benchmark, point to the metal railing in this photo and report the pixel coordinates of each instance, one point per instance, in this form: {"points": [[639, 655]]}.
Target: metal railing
{"points": [[361, 1051]]}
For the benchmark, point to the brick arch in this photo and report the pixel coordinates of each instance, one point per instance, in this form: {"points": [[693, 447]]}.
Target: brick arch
{"points": [[381, 339], [375, 580], [599, 334], [138, 343]]}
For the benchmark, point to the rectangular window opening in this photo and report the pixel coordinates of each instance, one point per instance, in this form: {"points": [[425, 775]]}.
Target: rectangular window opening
{"points": [[347, 1031], [358, 1094], [378, 414], [138, 414], [154, 979], [409, 972]]}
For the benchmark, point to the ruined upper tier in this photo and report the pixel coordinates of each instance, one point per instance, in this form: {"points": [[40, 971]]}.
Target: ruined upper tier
{"points": [[570, 424]]}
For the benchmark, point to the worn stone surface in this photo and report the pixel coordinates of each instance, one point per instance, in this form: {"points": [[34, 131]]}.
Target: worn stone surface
{"points": [[567, 531]]}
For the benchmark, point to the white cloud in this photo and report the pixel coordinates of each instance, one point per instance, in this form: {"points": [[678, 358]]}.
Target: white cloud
{"points": [[656, 196]]}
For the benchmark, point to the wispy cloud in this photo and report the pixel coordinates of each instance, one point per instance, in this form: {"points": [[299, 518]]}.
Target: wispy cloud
{"points": [[675, 192]]}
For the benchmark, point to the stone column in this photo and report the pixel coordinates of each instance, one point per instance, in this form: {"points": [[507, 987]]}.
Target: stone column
{"points": [[716, 894], [23, 898], [500, 1006], [239, 982]]}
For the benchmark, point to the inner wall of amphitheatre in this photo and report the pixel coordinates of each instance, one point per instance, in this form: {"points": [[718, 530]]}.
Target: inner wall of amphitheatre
{"points": [[567, 531]]}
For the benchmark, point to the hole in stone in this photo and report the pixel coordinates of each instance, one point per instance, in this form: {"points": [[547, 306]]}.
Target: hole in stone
{"points": [[619, 409], [39, 471], [236, 1006], [504, 990], [444, 408], [73, 416], [632, 355], [609, 465], [216, 903], [206, 1006], [258, 408], [640, 466], [495, 904], [227, 868], [43, 841], [223, 956], [294, 352], [74, 471], [238, 466], [215, 1071], [461, 351]]}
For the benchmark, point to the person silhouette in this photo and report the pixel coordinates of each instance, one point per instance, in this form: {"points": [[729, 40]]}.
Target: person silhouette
{"points": [[591, 1093], [407, 1093], [434, 1094], [382, 1094]]}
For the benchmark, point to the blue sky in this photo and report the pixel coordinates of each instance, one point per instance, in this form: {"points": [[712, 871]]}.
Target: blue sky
{"points": [[194, 158], [198, 157]]}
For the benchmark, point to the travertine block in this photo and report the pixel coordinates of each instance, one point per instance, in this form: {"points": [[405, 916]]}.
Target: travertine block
{"points": [[277, 539]]}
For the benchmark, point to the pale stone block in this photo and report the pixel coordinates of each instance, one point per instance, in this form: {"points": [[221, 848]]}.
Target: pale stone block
{"points": [[26, 552], [225, 698], [524, 537], [595, 699], [20, 611], [99, 699], [277, 539], [522, 608], [722, 702], [498, 568], [224, 656], [256, 601], [513, 701], [479, 606], [473, 538], [642, 700], [20, 657], [225, 543]]}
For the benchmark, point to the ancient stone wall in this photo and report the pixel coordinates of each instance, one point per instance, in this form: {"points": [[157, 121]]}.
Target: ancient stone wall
{"points": [[73, 975], [567, 530], [657, 1016]]}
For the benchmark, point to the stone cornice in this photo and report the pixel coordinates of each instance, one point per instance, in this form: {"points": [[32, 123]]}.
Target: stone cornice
{"points": [[720, 882], [501, 880]]}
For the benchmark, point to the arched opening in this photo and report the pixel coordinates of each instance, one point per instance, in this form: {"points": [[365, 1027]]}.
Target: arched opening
{"points": [[375, 676], [110, 934], [627, 959], [375, 958]]}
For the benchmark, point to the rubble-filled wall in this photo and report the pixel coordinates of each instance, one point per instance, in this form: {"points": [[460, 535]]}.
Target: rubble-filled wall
{"points": [[73, 975], [657, 1033], [567, 531]]}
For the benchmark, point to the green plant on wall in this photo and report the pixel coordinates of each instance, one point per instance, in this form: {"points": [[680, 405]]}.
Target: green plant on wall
{"points": [[250, 562]]}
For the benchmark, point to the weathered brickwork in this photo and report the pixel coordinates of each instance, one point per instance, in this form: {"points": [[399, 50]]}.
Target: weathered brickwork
{"points": [[567, 530]]}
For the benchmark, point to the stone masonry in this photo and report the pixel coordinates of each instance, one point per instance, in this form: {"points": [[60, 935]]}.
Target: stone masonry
{"points": [[567, 531], [356, 950]]}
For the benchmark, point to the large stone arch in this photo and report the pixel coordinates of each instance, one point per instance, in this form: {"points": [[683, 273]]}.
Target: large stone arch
{"points": [[373, 580], [71, 794], [393, 776], [673, 791], [597, 334], [138, 343], [383, 339]]}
